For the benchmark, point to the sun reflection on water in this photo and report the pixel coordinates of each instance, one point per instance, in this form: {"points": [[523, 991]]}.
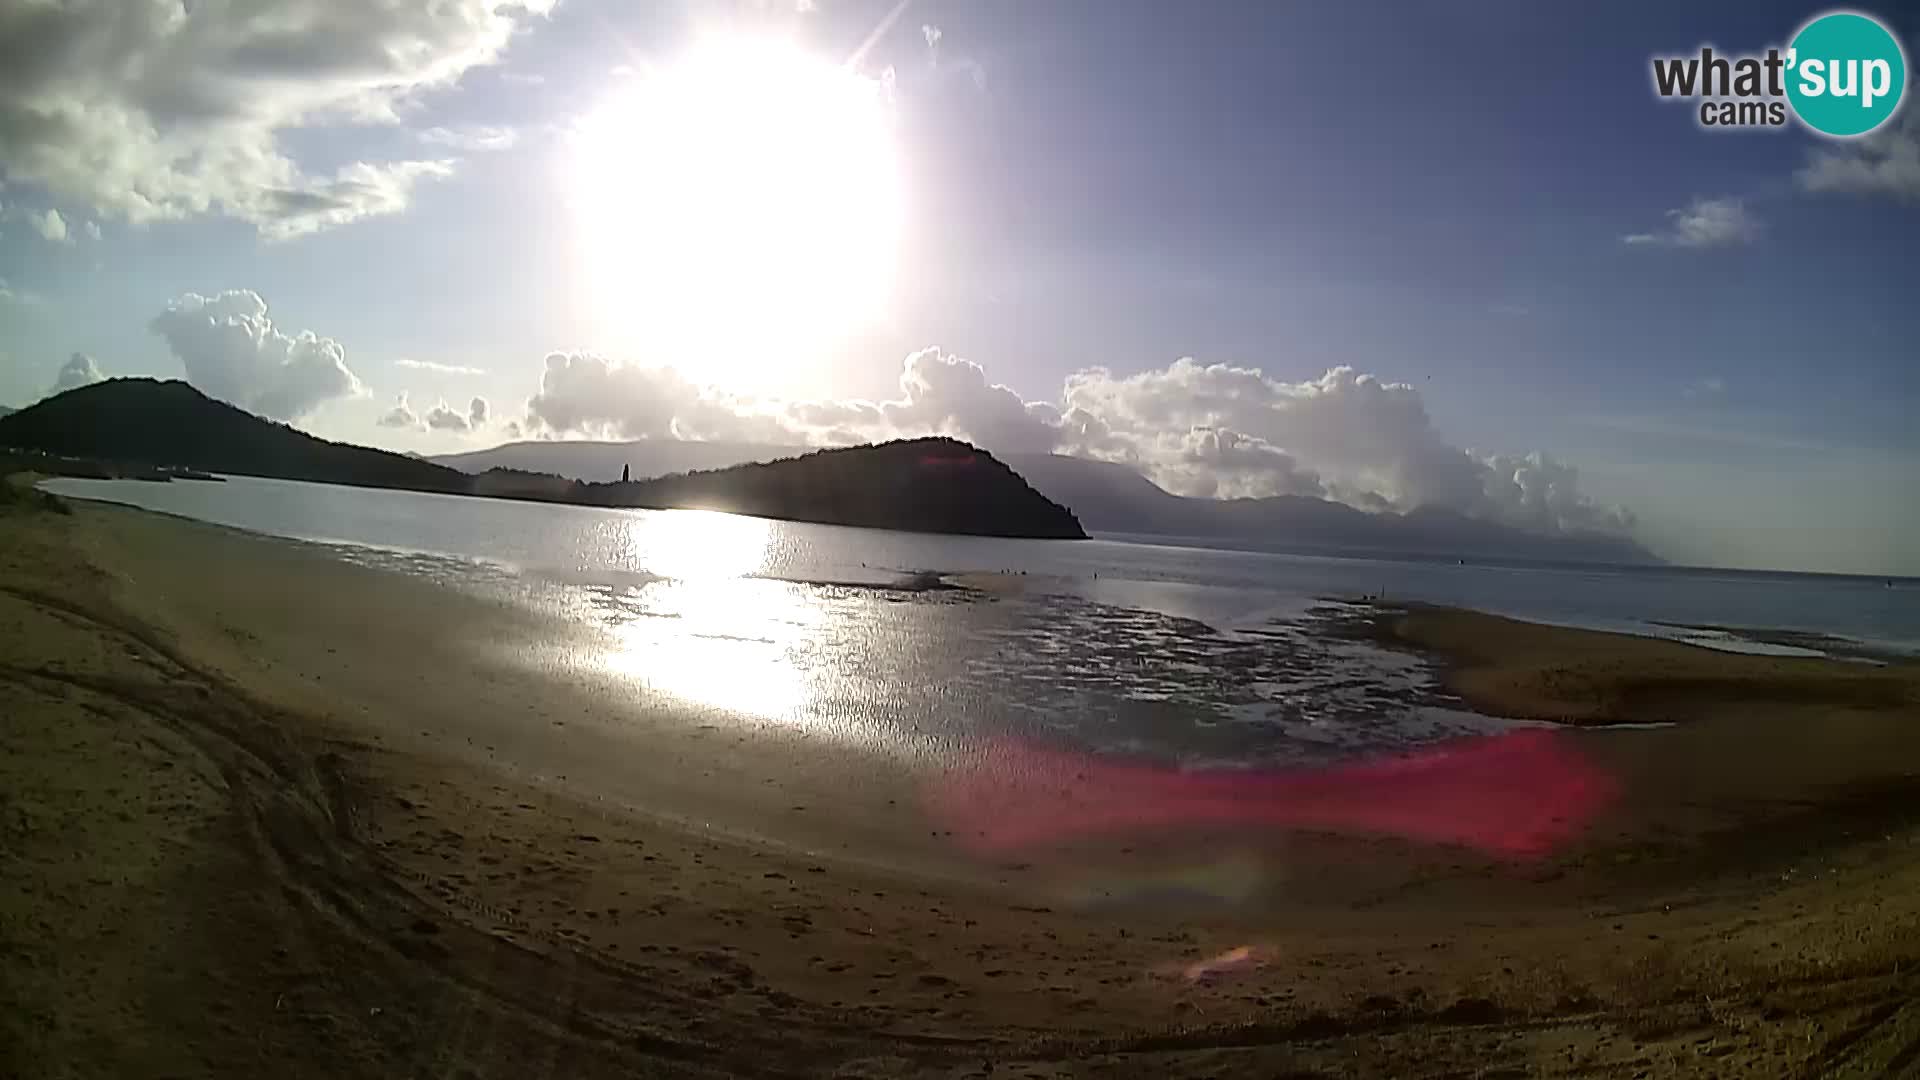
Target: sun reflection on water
{"points": [[700, 545], [708, 631]]}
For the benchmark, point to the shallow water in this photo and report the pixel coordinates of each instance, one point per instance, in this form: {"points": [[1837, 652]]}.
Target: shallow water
{"points": [[1186, 655]]}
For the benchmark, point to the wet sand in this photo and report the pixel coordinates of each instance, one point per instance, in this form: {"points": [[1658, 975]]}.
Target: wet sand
{"points": [[264, 810]]}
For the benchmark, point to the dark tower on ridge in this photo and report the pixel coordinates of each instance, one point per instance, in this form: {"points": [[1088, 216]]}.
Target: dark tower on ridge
{"points": [[625, 476]]}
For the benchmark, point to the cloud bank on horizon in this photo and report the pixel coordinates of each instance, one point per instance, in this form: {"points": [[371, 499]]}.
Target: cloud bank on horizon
{"points": [[1214, 431]]}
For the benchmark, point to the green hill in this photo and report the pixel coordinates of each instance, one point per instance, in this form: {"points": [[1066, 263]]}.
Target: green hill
{"points": [[150, 422], [924, 485]]}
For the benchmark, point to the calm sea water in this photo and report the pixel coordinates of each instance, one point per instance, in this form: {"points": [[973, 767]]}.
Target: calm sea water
{"points": [[1111, 644]]}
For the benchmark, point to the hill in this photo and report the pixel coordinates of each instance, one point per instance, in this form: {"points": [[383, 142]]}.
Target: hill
{"points": [[1112, 498], [924, 485], [151, 422]]}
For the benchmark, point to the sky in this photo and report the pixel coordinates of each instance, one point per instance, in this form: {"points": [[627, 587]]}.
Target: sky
{"points": [[1392, 254]]}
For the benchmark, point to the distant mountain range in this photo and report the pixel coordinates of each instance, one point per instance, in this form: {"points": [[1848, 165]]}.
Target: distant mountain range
{"points": [[927, 485], [1112, 498]]}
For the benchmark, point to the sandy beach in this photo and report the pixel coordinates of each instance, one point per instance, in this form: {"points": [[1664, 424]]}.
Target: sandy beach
{"points": [[264, 810]]}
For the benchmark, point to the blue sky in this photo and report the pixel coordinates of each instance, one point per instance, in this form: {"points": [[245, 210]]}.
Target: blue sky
{"points": [[1438, 196]]}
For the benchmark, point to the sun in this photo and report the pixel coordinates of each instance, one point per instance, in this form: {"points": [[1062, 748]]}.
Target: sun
{"points": [[740, 205]]}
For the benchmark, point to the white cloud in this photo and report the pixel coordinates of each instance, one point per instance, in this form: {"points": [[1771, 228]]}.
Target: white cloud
{"points": [[48, 223], [436, 367], [932, 34], [232, 351], [588, 394], [1705, 223], [146, 110], [91, 229], [1535, 492], [1205, 430], [356, 191], [944, 393], [471, 138], [1220, 463], [444, 417], [78, 371], [400, 416], [1886, 162], [1353, 431]]}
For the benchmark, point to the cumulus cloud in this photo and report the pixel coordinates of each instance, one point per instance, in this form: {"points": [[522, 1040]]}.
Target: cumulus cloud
{"points": [[1704, 223], [444, 417], [1885, 163], [78, 371], [400, 416], [1536, 492], [589, 394], [91, 229], [1220, 463], [232, 351], [1204, 430], [1350, 428], [945, 394], [48, 223], [438, 368], [146, 110]]}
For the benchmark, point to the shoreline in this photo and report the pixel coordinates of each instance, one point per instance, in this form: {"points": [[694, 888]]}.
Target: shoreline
{"points": [[1571, 675], [1762, 639], [423, 877]]}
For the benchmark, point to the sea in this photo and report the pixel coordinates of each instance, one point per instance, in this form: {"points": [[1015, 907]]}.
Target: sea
{"points": [[1119, 644]]}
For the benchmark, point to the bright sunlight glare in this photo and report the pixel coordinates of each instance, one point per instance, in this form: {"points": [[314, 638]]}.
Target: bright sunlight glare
{"points": [[740, 205]]}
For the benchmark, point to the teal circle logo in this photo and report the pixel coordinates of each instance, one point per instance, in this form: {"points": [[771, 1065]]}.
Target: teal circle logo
{"points": [[1846, 74]]}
